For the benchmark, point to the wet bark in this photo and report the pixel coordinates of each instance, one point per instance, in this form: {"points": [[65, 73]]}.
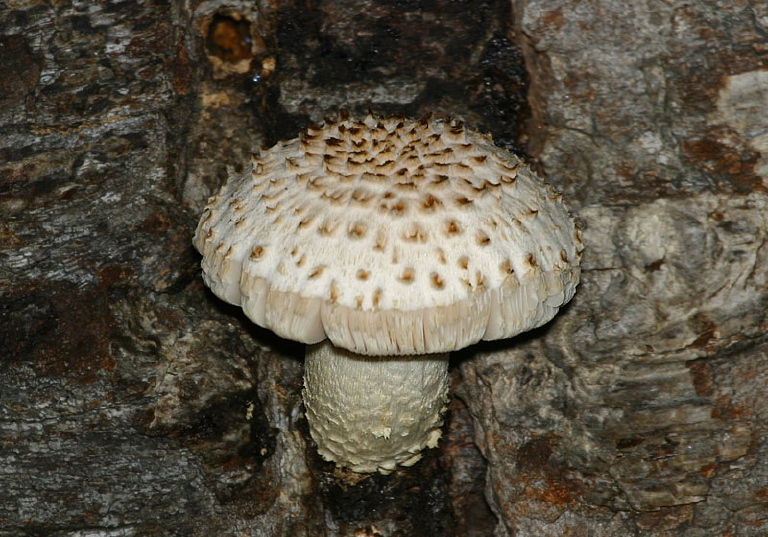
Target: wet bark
{"points": [[133, 402]]}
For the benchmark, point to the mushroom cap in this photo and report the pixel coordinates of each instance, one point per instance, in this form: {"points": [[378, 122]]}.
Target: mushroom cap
{"points": [[390, 237]]}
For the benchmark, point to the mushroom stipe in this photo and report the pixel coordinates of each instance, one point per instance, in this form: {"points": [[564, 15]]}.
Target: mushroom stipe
{"points": [[384, 244]]}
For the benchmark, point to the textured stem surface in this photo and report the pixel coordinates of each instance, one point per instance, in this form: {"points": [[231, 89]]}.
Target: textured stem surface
{"points": [[372, 413]]}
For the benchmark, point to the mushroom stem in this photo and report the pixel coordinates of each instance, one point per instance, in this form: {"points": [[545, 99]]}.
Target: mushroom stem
{"points": [[372, 413]]}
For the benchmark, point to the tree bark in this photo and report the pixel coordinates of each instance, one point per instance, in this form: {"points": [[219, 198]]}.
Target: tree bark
{"points": [[133, 402], [640, 410]]}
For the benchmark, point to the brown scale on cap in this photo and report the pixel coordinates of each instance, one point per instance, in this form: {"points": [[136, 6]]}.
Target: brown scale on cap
{"points": [[407, 276], [452, 228], [431, 203], [436, 281], [357, 230], [257, 252], [415, 232], [482, 238]]}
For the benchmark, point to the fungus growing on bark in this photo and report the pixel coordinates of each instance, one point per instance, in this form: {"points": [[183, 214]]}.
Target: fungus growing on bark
{"points": [[398, 241]]}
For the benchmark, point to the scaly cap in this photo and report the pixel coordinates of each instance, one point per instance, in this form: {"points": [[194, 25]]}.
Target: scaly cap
{"points": [[390, 236]]}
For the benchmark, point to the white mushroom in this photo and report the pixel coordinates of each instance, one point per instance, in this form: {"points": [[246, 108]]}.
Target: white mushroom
{"points": [[399, 241]]}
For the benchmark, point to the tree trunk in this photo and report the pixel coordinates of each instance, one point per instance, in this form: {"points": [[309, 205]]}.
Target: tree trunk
{"points": [[133, 402]]}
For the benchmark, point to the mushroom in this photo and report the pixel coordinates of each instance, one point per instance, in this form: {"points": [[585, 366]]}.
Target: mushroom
{"points": [[384, 244]]}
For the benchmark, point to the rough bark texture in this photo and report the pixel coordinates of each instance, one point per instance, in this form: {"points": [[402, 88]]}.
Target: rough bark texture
{"points": [[132, 402], [641, 410]]}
